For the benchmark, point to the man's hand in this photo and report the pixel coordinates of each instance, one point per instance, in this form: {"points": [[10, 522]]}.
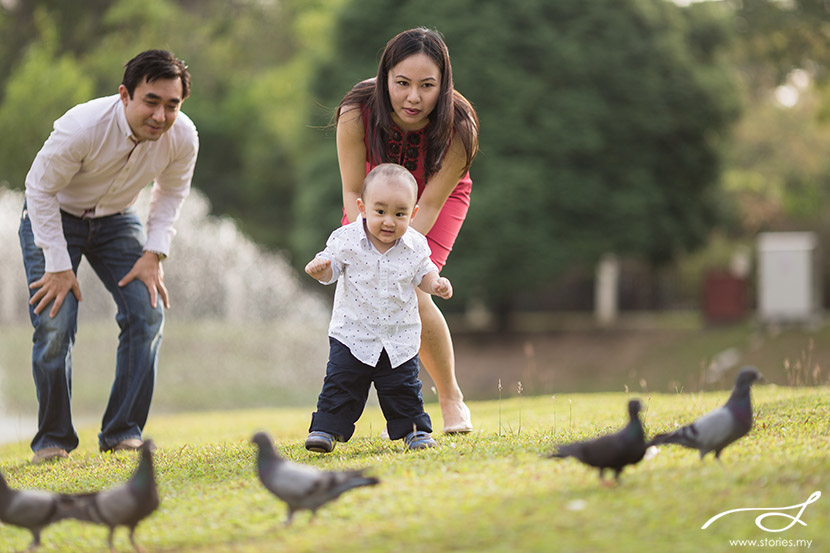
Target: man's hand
{"points": [[319, 268], [54, 286], [149, 271]]}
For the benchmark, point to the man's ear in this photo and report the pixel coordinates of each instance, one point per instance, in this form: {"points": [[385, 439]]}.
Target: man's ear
{"points": [[124, 93]]}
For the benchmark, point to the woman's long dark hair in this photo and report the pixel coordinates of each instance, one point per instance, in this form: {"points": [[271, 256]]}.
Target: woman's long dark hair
{"points": [[452, 117]]}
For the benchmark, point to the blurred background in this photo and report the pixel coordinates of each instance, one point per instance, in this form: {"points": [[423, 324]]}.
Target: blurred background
{"points": [[649, 208]]}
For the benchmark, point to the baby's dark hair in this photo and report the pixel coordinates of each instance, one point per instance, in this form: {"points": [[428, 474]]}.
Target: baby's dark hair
{"points": [[152, 65], [391, 172]]}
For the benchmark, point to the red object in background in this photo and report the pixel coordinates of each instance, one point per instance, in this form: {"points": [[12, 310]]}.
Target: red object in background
{"points": [[724, 298]]}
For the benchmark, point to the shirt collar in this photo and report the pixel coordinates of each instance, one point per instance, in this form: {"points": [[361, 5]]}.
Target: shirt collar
{"points": [[123, 125], [405, 240]]}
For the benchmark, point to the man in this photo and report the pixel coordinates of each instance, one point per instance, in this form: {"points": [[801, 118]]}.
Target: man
{"points": [[79, 196]]}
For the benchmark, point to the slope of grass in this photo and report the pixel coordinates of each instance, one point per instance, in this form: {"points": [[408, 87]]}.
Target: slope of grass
{"points": [[490, 491]]}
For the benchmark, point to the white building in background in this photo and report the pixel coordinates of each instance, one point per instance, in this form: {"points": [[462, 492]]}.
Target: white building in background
{"points": [[606, 290], [789, 277]]}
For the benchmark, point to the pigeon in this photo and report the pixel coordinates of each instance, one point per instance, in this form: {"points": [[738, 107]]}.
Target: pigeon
{"points": [[32, 509], [124, 505], [612, 451], [719, 428], [302, 486]]}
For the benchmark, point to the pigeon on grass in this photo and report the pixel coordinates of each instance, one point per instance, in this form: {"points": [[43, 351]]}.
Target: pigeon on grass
{"points": [[301, 486], [33, 510], [612, 451], [124, 505], [719, 428]]}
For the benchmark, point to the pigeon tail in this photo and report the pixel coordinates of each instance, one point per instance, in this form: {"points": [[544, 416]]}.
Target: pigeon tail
{"points": [[72, 506], [355, 481], [565, 451], [685, 436]]}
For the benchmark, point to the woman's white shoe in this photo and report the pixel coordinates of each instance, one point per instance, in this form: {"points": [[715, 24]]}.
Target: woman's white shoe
{"points": [[457, 418]]}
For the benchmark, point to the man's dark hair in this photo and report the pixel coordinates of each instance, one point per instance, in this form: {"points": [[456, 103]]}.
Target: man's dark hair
{"points": [[152, 65]]}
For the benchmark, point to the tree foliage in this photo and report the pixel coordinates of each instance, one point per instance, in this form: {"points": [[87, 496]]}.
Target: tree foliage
{"points": [[603, 123], [249, 60], [600, 127], [35, 95], [778, 170]]}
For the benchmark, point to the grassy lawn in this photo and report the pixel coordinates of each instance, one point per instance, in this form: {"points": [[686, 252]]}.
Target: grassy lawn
{"points": [[488, 491]]}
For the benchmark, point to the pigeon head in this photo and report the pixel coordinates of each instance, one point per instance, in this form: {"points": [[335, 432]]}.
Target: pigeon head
{"points": [[747, 376], [634, 408], [739, 402], [144, 477], [261, 439], [265, 445]]}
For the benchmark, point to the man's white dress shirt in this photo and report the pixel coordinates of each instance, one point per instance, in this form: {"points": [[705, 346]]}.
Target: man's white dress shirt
{"points": [[375, 306], [91, 166]]}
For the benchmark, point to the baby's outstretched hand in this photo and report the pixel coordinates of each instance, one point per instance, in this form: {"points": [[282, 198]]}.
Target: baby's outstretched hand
{"points": [[317, 267], [441, 287]]}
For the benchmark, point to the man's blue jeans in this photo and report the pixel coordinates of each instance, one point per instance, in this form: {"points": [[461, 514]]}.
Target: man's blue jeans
{"points": [[111, 245]]}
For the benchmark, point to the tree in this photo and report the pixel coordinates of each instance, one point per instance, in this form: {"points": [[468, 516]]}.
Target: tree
{"points": [[36, 94], [777, 164], [775, 37], [600, 128]]}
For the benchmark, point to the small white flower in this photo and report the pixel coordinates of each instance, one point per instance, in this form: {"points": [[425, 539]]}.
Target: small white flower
{"points": [[576, 505]]}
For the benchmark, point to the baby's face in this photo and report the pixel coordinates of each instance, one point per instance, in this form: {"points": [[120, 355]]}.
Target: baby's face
{"points": [[388, 208]]}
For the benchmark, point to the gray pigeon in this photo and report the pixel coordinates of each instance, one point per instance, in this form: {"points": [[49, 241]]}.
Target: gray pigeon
{"points": [[124, 505], [32, 509], [612, 451], [719, 428], [302, 486]]}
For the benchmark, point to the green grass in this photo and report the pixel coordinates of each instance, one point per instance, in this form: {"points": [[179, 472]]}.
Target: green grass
{"points": [[490, 491]]}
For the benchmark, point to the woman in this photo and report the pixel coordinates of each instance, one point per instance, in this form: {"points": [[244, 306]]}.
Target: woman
{"points": [[410, 114]]}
